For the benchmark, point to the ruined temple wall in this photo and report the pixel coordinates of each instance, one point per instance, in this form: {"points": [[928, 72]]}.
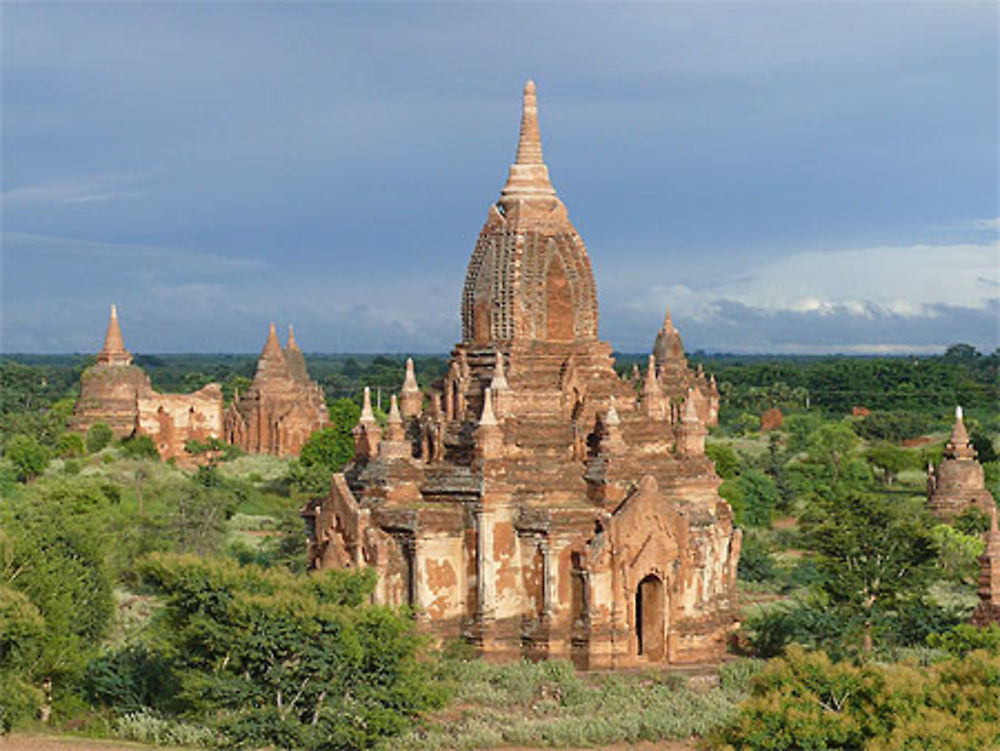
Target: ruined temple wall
{"points": [[441, 576], [173, 419]]}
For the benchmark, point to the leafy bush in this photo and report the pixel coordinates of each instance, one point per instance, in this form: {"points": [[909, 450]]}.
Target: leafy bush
{"points": [[806, 701], [99, 436], [70, 445], [130, 679], [28, 456], [727, 464], [958, 552], [272, 659], [140, 447], [893, 425], [756, 562], [964, 638]]}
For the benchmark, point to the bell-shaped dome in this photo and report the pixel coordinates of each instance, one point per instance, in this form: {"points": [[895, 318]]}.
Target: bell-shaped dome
{"points": [[529, 278]]}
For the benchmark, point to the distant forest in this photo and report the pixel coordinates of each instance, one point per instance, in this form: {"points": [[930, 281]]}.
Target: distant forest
{"points": [[932, 385]]}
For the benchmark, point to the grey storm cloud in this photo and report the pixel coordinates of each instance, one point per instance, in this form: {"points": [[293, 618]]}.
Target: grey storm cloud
{"points": [[807, 175]]}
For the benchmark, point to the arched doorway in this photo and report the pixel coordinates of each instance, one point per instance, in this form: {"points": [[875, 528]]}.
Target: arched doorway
{"points": [[650, 609]]}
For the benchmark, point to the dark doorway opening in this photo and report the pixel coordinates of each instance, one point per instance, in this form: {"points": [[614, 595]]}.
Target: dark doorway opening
{"points": [[649, 617]]}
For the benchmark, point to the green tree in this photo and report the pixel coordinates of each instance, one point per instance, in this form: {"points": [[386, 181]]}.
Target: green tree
{"points": [[274, 659], [760, 497], [28, 457], [21, 631], [727, 464], [54, 550], [140, 447], [889, 460], [99, 436], [70, 445], [832, 446], [873, 555], [807, 701]]}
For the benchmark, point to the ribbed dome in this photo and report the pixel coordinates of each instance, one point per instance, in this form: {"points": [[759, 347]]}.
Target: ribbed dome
{"points": [[529, 277]]}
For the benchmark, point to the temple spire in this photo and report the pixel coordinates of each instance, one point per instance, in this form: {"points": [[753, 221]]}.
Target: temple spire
{"points": [[367, 415], [529, 177], [272, 347], [410, 379], [487, 417], [529, 144], [499, 382], [296, 360], [113, 352], [272, 363], [959, 446], [668, 323]]}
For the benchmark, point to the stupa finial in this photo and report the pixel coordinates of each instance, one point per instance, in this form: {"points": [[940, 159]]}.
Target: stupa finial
{"points": [[113, 351], [499, 381], [395, 417], [410, 379], [529, 145], [488, 417], [367, 415]]}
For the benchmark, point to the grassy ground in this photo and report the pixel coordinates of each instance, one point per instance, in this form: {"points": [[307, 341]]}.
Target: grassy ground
{"points": [[550, 705]]}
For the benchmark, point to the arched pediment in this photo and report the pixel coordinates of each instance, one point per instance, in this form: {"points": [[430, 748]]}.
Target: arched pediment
{"points": [[644, 531]]}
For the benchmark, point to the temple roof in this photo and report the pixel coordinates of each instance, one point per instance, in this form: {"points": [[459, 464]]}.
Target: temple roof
{"points": [[113, 352], [959, 446], [529, 278], [668, 345], [295, 359], [272, 363], [529, 176]]}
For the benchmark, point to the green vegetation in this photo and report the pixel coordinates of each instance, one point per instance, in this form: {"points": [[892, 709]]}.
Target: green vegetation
{"points": [[807, 701], [169, 605], [551, 704]]}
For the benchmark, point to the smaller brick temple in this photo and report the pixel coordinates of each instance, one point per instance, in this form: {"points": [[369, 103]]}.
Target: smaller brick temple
{"points": [[958, 482], [282, 407], [533, 502], [117, 392], [988, 610], [677, 380]]}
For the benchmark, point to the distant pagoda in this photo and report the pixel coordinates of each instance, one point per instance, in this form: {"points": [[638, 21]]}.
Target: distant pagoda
{"points": [[282, 407], [958, 482]]}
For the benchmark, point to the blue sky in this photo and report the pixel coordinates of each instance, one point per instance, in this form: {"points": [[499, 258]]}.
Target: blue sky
{"points": [[788, 177]]}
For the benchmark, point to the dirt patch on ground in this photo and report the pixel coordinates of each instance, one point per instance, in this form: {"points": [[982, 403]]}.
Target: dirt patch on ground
{"points": [[23, 742]]}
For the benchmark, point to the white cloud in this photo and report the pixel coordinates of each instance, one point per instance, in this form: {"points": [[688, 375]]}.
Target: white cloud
{"points": [[93, 189], [905, 281], [123, 259], [989, 224]]}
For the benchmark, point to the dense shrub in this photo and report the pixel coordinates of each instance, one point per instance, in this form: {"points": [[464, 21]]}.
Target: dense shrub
{"points": [[28, 457], [70, 445], [756, 562], [99, 436], [893, 425], [806, 701], [140, 447], [129, 679], [268, 658], [965, 638]]}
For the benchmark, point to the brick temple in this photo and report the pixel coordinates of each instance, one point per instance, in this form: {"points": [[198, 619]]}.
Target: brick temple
{"points": [[534, 502], [118, 392], [958, 482], [282, 407], [275, 415]]}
